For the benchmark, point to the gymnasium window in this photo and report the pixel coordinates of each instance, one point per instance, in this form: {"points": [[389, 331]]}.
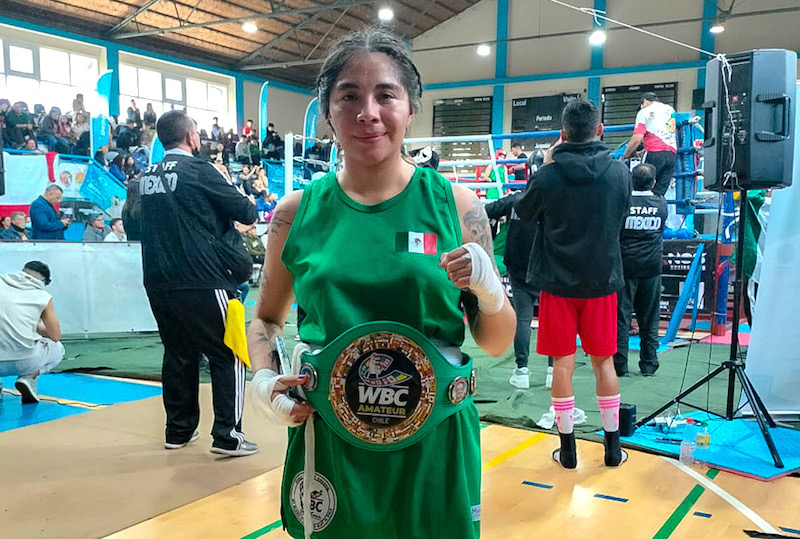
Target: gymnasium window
{"points": [[36, 74]]}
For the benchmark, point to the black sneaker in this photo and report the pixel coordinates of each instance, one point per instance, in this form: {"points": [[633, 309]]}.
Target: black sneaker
{"points": [[245, 449], [567, 455], [170, 445], [614, 454]]}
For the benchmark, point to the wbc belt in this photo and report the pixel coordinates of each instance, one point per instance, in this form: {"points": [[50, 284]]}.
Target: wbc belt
{"points": [[383, 386]]}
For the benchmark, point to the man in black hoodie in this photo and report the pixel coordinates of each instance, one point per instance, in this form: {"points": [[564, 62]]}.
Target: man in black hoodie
{"points": [[642, 251], [578, 201], [184, 201]]}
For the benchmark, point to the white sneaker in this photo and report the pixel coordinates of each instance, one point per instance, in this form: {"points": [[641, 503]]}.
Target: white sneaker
{"points": [[26, 385], [520, 378], [548, 381]]}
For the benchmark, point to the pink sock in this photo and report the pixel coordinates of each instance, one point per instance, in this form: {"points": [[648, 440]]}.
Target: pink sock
{"points": [[565, 413], [609, 412]]}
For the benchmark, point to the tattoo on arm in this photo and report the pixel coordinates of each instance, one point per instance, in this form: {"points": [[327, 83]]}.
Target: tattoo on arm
{"points": [[261, 344], [477, 224], [279, 221]]}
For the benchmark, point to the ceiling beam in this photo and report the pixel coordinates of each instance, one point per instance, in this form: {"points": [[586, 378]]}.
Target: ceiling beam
{"points": [[131, 17], [255, 16], [286, 35], [283, 65]]}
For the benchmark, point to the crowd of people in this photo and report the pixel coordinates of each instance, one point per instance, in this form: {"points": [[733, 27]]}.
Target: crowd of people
{"points": [[53, 130]]}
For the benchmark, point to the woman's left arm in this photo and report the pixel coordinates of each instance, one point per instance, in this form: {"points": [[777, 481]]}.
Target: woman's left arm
{"points": [[471, 268]]}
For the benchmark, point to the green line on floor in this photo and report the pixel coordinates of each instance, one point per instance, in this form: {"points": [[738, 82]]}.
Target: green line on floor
{"points": [[263, 531], [683, 509]]}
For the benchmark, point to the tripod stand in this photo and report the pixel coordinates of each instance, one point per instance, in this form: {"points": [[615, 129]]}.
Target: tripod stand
{"points": [[734, 366]]}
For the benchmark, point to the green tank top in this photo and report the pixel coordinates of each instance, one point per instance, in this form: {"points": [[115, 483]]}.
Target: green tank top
{"points": [[354, 263]]}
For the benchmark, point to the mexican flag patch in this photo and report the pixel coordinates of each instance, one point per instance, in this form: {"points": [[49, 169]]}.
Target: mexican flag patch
{"points": [[416, 242]]}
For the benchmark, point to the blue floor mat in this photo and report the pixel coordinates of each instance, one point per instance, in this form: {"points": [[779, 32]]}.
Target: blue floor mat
{"points": [[737, 445], [705, 325], [74, 387], [14, 414], [91, 390]]}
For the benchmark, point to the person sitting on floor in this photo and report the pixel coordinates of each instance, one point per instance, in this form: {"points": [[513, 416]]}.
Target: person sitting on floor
{"points": [[29, 329]]}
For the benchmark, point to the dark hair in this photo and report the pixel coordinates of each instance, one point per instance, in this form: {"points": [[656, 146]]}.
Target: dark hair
{"points": [[649, 96], [580, 120], [114, 221], [516, 143], [364, 42], [172, 128], [644, 177], [39, 267]]}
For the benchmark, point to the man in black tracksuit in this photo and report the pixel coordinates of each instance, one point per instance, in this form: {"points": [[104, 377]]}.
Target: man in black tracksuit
{"points": [[642, 253], [184, 200]]}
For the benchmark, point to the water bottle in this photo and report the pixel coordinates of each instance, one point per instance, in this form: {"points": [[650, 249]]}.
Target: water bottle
{"points": [[703, 438], [548, 381], [688, 446], [687, 452]]}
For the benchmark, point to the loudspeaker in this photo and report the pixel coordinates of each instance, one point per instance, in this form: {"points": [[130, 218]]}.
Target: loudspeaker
{"points": [[750, 120], [627, 419]]}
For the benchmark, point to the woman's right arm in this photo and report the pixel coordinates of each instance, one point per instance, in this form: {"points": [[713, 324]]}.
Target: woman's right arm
{"points": [[276, 293], [275, 298]]}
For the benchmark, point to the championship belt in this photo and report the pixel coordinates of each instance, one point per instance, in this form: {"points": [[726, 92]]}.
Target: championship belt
{"points": [[383, 386]]}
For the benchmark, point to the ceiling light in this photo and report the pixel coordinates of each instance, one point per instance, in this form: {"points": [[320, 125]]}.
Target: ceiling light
{"points": [[484, 50], [717, 28], [597, 38], [250, 27], [386, 14]]}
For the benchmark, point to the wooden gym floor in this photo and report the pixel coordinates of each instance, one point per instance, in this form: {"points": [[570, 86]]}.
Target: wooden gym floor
{"points": [[105, 473]]}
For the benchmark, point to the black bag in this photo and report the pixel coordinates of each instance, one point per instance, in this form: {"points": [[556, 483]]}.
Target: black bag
{"points": [[234, 257]]}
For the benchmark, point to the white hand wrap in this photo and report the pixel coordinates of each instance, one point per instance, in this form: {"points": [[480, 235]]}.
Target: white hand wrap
{"points": [[279, 409], [483, 281]]}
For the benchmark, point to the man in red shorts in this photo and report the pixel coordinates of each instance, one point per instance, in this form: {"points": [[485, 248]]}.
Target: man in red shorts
{"points": [[578, 201]]}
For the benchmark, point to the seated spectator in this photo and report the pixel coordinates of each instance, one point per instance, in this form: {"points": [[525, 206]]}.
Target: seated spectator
{"points": [[50, 132], [5, 222], [266, 203], [129, 168], [4, 142], [149, 117], [117, 233], [247, 130], [254, 150], [129, 135], [242, 152], [16, 228], [19, 125], [259, 187], [65, 131], [32, 146], [245, 177], [80, 126], [218, 154], [96, 229], [252, 242], [29, 329], [77, 104], [38, 115], [45, 221], [117, 168]]}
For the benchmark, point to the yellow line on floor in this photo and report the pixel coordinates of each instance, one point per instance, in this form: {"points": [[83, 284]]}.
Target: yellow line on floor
{"points": [[502, 457], [56, 400]]}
